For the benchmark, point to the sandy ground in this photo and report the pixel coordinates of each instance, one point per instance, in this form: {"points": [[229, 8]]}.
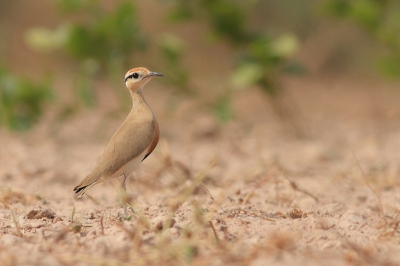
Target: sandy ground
{"points": [[242, 193]]}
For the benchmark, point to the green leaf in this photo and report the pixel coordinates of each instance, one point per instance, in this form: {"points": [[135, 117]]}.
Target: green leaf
{"points": [[246, 74], [285, 45], [44, 40]]}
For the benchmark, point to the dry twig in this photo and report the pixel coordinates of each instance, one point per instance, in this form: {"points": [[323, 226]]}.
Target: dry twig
{"points": [[102, 225], [215, 233], [369, 186], [17, 227], [297, 188]]}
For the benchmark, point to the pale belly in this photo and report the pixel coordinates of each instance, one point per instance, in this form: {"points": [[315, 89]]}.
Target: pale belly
{"points": [[128, 168]]}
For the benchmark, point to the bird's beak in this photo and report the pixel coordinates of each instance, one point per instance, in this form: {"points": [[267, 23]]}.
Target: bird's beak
{"points": [[151, 74]]}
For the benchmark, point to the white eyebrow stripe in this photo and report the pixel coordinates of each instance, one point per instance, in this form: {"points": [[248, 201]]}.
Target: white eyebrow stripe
{"points": [[129, 74]]}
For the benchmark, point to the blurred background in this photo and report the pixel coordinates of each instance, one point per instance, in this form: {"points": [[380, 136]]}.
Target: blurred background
{"points": [[271, 105], [61, 58]]}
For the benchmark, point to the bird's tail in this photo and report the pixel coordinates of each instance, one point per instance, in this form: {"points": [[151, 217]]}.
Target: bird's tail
{"points": [[84, 186]]}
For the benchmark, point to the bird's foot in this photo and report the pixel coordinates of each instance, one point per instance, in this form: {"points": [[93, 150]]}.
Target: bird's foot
{"points": [[127, 207], [126, 216]]}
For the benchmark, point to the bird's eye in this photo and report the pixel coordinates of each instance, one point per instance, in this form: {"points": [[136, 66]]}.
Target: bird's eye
{"points": [[135, 75]]}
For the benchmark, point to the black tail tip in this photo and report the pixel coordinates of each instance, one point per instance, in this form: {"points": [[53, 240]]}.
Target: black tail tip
{"points": [[79, 189]]}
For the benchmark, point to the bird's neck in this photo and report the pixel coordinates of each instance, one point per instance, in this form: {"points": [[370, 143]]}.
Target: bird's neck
{"points": [[137, 98]]}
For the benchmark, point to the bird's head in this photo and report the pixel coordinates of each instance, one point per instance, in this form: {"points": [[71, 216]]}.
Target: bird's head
{"points": [[136, 78]]}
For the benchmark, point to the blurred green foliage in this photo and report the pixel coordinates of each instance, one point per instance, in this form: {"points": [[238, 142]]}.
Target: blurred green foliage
{"points": [[172, 50], [101, 41], [21, 100], [260, 57], [106, 37], [379, 17]]}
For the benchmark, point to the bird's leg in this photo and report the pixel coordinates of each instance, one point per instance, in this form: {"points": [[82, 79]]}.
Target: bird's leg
{"points": [[123, 186], [123, 194], [123, 190]]}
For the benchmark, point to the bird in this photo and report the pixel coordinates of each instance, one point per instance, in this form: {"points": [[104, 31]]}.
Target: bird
{"points": [[134, 140]]}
